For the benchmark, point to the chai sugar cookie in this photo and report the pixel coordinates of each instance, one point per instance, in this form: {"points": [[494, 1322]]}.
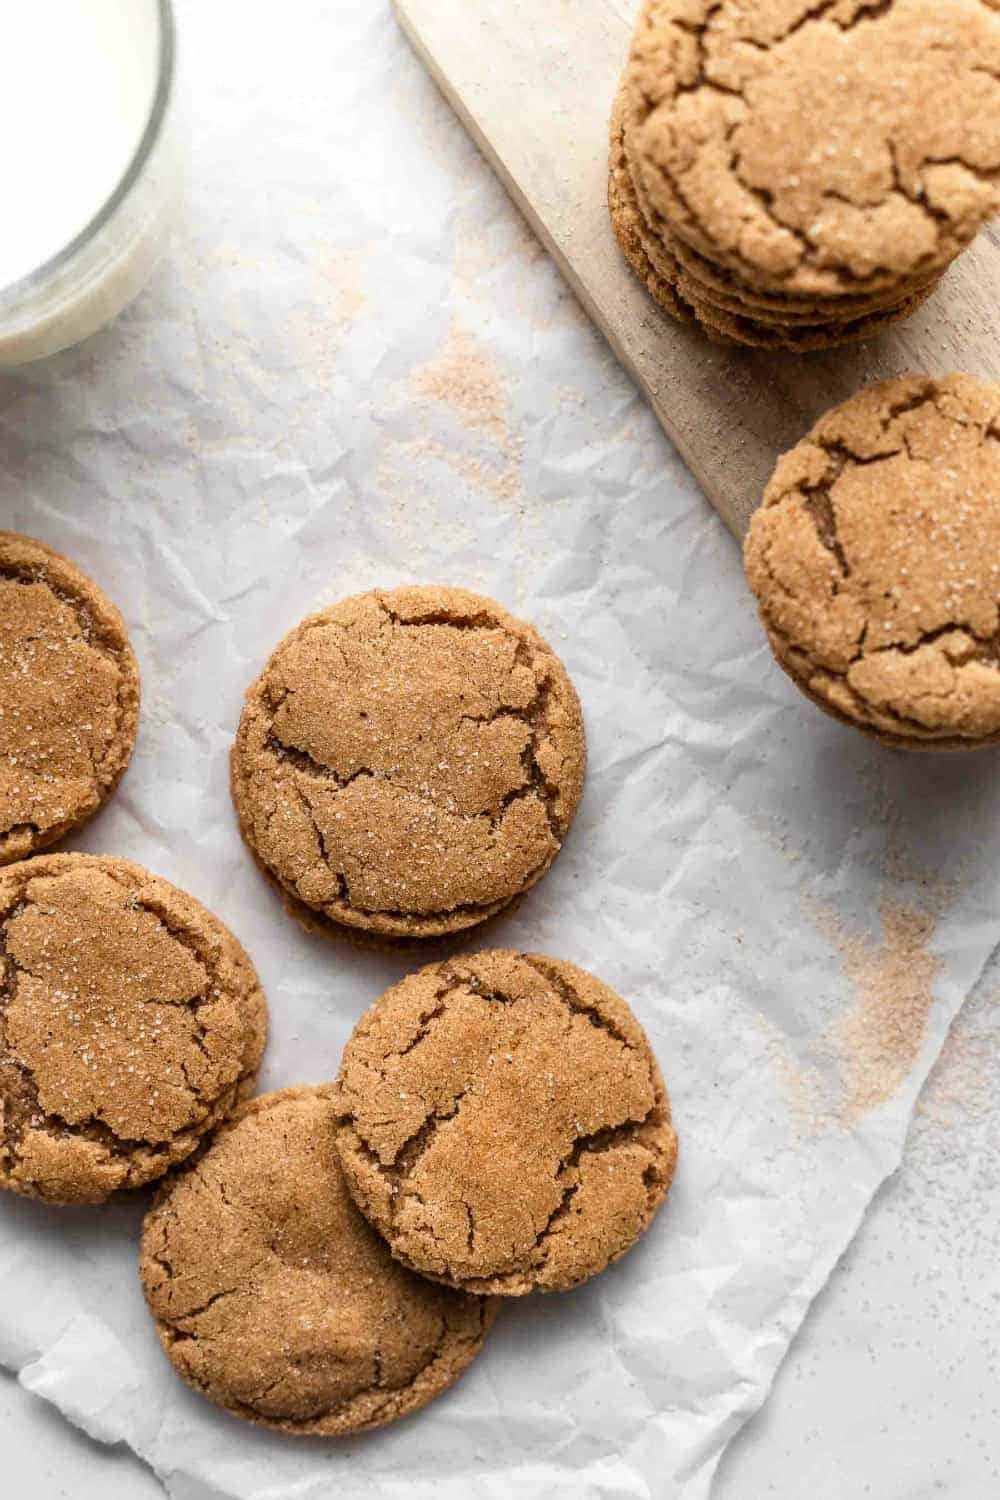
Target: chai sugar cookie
{"points": [[409, 762], [656, 260], [504, 1123], [275, 1299], [69, 697], [819, 151], [875, 559], [131, 1023]]}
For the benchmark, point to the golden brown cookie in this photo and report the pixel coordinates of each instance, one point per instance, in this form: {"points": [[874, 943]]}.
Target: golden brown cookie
{"points": [[504, 1123], [274, 1298], [131, 1023], [409, 762], [719, 285], [69, 697], [657, 263], [819, 150], [875, 559]]}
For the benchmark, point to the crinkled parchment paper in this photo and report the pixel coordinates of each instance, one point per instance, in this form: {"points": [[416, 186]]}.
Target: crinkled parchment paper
{"points": [[356, 368]]}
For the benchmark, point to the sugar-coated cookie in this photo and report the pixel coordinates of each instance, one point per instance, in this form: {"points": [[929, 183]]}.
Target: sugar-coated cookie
{"points": [[131, 1023], [504, 1123], [69, 697], [409, 762], [875, 559], [821, 150], [275, 1299]]}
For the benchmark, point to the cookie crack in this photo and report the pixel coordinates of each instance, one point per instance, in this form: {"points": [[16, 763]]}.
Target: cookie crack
{"points": [[343, 890], [868, 15], [94, 635], [398, 1173], [819, 505], [16, 830], [317, 770], [463, 908], [476, 620], [598, 1143], [817, 497], [426, 1026], [194, 1313], [32, 1115], [537, 787], [453, 983], [535, 716], [815, 669], [869, 11], [697, 30], [989, 646], [403, 1164], [575, 1002]]}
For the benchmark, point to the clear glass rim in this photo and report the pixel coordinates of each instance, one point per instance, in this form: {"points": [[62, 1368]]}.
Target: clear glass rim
{"points": [[16, 291]]}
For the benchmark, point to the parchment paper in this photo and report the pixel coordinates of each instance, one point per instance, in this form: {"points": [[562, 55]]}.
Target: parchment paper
{"points": [[355, 368]]}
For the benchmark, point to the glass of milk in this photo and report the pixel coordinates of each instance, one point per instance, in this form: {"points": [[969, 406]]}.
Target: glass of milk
{"points": [[88, 165]]}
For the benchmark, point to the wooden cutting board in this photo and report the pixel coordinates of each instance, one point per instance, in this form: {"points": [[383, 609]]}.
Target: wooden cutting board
{"points": [[533, 81]]}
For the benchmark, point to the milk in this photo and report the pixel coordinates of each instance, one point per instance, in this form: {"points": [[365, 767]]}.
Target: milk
{"points": [[77, 79], [88, 165]]}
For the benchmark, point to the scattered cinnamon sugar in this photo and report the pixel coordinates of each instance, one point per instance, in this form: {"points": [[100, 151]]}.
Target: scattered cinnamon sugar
{"points": [[466, 379], [963, 1085], [803, 1087], [343, 273], [502, 482], [877, 1042]]}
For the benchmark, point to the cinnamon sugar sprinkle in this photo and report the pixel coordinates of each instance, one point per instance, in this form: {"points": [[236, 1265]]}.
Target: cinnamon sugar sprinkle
{"points": [[464, 377], [880, 1038]]}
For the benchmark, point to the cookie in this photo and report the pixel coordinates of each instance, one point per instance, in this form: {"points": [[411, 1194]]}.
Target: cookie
{"points": [[69, 697], [504, 1124], [274, 1298], [131, 1023], [718, 284], [819, 150], [658, 266], [875, 559], [409, 762]]}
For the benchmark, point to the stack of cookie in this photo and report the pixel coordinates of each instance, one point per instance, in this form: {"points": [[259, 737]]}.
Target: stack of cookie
{"points": [[793, 176], [336, 1259], [874, 561]]}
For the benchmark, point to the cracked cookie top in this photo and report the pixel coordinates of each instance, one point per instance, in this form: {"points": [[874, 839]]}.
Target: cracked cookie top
{"points": [[875, 559], [274, 1298], [69, 697], [819, 148], [504, 1123], [131, 1023], [409, 762]]}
